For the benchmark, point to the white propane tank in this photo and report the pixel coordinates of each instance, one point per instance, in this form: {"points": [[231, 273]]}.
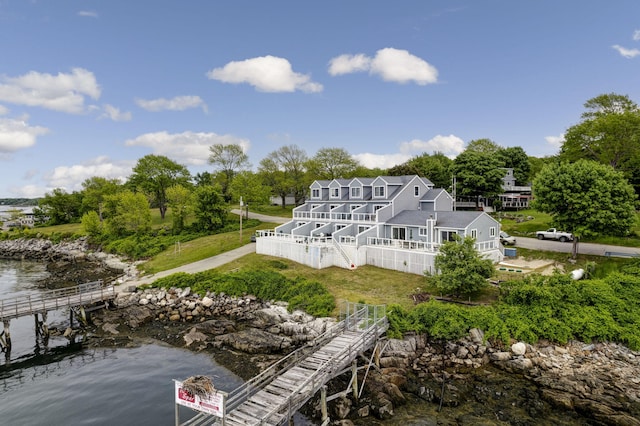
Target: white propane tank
{"points": [[577, 274]]}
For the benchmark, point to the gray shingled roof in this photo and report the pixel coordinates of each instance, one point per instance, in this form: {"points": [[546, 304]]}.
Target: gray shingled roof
{"points": [[456, 220], [432, 194]]}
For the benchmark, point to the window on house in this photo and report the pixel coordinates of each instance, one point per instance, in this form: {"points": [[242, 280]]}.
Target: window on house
{"points": [[448, 236], [315, 193], [355, 192], [335, 192], [474, 233], [398, 233], [416, 191], [492, 231], [378, 191], [423, 232], [378, 207]]}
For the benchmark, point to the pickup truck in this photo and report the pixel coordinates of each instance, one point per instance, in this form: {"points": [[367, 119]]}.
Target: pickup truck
{"points": [[554, 234]]}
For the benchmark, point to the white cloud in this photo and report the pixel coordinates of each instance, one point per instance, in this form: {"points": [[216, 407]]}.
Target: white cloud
{"points": [[347, 64], [179, 103], [450, 146], [266, 74], [390, 64], [88, 14], [62, 92], [402, 67], [188, 148], [627, 53], [16, 134], [4, 110], [383, 161], [555, 141], [113, 113], [70, 178], [636, 35], [27, 191]]}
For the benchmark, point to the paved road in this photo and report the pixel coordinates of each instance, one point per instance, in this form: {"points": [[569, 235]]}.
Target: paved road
{"points": [[264, 218], [583, 248]]}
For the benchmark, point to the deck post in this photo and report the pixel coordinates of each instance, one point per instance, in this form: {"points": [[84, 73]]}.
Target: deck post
{"points": [[354, 378], [323, 404], [5, 337]]}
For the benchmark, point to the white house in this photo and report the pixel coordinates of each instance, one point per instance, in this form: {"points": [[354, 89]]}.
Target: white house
{"points": [[393, 222]]}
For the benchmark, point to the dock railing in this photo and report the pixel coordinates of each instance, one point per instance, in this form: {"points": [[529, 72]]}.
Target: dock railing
{"points": [[83, 294], [369, 321]]}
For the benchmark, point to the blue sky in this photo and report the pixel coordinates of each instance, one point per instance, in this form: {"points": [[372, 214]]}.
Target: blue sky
{"points": [[89, 87]]}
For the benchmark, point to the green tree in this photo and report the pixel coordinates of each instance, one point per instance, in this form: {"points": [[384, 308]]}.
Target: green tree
{"points": [[461, 269], [180, 200], [437, 168], [331, 163], [609, 133], [127, 213], [515, 158], [153, 174], [60, 207], [94, 191], [484, 146], [92, 224], [477, 175], [586, 197], [228, 160], [251, 188], [284, 171], [210, 209]]}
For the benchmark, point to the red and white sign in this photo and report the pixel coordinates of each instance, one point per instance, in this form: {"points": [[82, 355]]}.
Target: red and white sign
{"points": [[212, 404]]}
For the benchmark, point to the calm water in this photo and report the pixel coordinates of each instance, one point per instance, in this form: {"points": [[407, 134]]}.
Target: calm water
{"points": [[73, 386]]}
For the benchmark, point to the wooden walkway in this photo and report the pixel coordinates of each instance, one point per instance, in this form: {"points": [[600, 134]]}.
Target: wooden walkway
{"points": [[272, 397], [82, 295]]}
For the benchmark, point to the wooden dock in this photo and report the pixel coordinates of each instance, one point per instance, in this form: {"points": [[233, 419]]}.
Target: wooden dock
{"points": [[81, 296], [272, 397]]}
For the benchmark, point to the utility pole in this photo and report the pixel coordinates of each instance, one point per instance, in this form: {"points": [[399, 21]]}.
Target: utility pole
{"points": [[241, 205]]}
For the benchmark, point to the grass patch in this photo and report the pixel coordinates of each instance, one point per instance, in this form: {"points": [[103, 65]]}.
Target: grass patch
{"points": [[366, 284], [272, 210], [182, 253]]}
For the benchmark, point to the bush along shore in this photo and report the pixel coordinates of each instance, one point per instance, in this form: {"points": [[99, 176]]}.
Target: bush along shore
{"points": [[418, 381]]}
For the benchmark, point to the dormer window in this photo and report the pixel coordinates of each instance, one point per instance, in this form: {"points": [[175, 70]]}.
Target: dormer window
{"points": [[335, 192], [315, 193], [378, 191], [356, 192], [416, 191]]}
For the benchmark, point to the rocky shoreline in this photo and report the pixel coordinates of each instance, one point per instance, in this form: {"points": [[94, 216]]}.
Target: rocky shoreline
{"points": [[70, 262], [470, 381], [418, 381]]}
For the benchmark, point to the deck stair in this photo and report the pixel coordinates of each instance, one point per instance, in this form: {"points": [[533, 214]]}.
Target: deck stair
{"points": [[344, 254], [272, 397]]}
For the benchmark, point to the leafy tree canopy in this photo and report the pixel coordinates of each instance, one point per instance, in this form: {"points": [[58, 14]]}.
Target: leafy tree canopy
{"points": [[331, 163], [484, 146], [437, 168], [228, 160], [586, 197], [609, 133], [461, 268], [153, 174], [478, 174], [210, 208], [515, 158]]}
